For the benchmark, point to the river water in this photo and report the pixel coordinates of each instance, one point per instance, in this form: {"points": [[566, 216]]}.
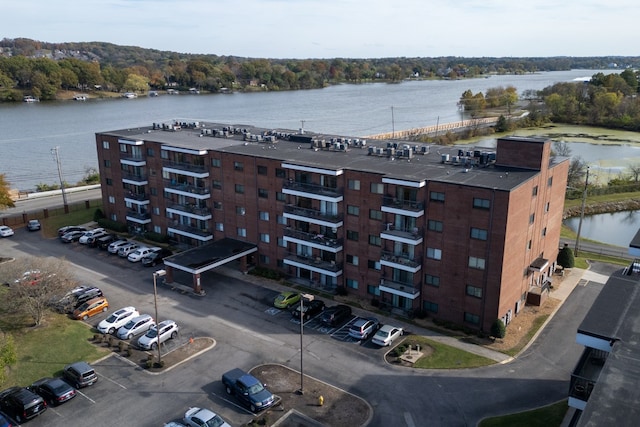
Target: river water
{"points": [[29, 133]]}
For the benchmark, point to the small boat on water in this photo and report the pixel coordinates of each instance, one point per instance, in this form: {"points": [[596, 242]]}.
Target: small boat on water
{"points": [[153, 93], [30, 98], [80, 97], [129, 95]]}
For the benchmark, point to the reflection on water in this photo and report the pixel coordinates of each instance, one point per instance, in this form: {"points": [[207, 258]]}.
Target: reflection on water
{"points": [[616, 228]]}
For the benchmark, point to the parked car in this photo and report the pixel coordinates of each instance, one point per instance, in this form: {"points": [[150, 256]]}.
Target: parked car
{"points": [[4, 421], [114, 246], [104, 241], [72, 236], [69, 301], [31, 277], [196, 417], [140, 253], [135, 326], [69, 228], [6, 231], [33, 225], [125, 250], [309, 309], [335, 315], [158, 334], [286, 299], [117, 319], [94, 242], [21, 404], [54, 391], [79, 374], [91, 308], [386, 335], [362, 328], [97, 232], [156, 257]]}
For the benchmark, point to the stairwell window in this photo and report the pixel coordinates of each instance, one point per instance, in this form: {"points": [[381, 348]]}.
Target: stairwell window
{"points": [[434, 253], [481, 203], [475, 262], [474, 291]]}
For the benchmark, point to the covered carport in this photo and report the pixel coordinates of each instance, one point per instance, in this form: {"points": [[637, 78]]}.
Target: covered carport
{"points": [[204, 258]]}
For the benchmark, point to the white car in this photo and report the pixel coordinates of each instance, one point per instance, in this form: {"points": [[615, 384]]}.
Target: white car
{"points": [[197, 417], [117, 319], [114, 246], [140, 253], [84, 239], [125, 250], [386, 335], [6, 231], [135, 326], [167, 329]]}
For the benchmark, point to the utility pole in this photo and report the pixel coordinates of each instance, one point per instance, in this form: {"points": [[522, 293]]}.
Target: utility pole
{"points": [[584, 201], [54, 151], [302, 126]]}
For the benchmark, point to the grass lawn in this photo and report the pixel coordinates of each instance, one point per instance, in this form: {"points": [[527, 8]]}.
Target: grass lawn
{"points": [[444, 356], [76, 217], [547, 416]]}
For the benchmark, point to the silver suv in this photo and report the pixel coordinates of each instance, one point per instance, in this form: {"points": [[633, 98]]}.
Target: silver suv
{"points": [[362, 328], [79, 374], [136, 326], [162, 332]]}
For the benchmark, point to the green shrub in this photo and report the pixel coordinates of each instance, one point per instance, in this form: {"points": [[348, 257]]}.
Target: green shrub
{"points": [[565, 257], [98, 215]]}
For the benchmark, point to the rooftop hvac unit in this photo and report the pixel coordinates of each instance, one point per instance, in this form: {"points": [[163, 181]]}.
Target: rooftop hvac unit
{"points": [[445, 158], [371, 150]]}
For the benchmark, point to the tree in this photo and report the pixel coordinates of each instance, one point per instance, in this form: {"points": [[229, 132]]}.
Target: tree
{"points": [[5, 197], [635, 171], [565, 257], [35, 284], [136, 83], [561, 148], [577, 171], [498, 330]]}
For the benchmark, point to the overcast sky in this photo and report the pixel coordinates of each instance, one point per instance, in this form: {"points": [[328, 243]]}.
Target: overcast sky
{"points": [[337, 28]]}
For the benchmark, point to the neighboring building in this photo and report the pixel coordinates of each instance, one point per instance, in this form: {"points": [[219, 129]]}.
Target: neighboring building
{"points": [[464, 235]]}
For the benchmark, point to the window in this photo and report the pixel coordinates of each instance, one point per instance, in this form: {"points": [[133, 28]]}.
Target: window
{"points": [[263, 193], [242, 232], [434, 253], [217, 206], [546, 207], [123, 148], [436, 196], [544, 231], [154, 191], [476, 263], [377, 188], [474, 291], [239, 166], [164, 154], [471, 318], [114, 217], [264, 259], [375, 214], [217, 184], [262, 170], [432, 280], [529, 245], [353, 210], [156, 210], [281, 173], [353, 184], [353, 235], [478, 233], [532, 218], [351, 283], [429, 306], [240, 210], [219, 226], [105, 145], [375, 240], [157, 229], [280, 219], [352, 259], [550, 181], [264, 216], [239, 188], [280, 196], [150, 152], [216, 163], [109, 181], [481, 203], [373, 290], [374, 265], [535, 191], [107, 163], [281, 242], [434, 225], [264, 238], [112, 200]]}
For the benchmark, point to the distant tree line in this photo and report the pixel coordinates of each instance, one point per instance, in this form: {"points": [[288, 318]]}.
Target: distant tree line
{"points": [[42, 69]]}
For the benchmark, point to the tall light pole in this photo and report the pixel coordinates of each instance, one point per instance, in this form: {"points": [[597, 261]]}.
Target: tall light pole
{"points": [[157, 274], [584, 201]]}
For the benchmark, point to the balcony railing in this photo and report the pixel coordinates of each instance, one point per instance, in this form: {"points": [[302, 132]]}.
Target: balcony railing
{"points": [[185, 188], [407, 205], [189, 208], [138, 215], [189, 167], [411, 233], [313, 238], [191, 230], [317, 189], [401, 286], [315, 261], [137, 177], [312, 213], [133, 157], [401, 258], [136, 196]]}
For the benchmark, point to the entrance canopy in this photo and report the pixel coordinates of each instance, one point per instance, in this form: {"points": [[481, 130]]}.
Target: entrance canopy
{"points": [[205, 258]]}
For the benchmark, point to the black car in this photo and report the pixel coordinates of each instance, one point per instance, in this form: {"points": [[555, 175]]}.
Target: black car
{"points": [[33, 225], [55, 391], [309, 309], [71, 236], [156, 257], [104, 241], [21, 404], [69, 228], [333, 316], [77, 297]]}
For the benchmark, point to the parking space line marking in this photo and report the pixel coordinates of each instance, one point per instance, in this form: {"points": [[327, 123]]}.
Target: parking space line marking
{"points": [[409, 419], [115, 382], [86, 397], [233, 403]]}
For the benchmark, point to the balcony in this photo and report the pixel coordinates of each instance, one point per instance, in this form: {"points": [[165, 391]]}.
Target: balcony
{"points": [[403, 289], [185, 168], [313, 191], [186, 189], [316, 264], [134, 178], [193, 232], [408, 235], [133, 160], [138, 217], [585, 376], [138, 198], [190, 210], [314, 240], [409, 208], [313, 216], [401, 261]]}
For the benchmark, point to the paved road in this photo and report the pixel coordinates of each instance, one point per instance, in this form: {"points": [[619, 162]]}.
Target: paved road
{"points": [[50, 202]]}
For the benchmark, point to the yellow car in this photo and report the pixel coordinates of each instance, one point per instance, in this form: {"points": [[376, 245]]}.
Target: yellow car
{"points": [[286, 299], [91, 308]]}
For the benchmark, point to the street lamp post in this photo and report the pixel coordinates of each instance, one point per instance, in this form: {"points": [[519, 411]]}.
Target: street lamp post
{"points": [[157, 274]]}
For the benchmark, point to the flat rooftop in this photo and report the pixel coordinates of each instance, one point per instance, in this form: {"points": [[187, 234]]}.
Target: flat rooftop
{"points": [[426, 161]]}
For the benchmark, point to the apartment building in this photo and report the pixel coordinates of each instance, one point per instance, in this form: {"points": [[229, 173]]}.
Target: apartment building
{"points": [[461, 233]]}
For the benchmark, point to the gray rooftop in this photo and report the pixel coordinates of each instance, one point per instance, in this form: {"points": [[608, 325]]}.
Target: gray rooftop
{"points": [[428, 162]]}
